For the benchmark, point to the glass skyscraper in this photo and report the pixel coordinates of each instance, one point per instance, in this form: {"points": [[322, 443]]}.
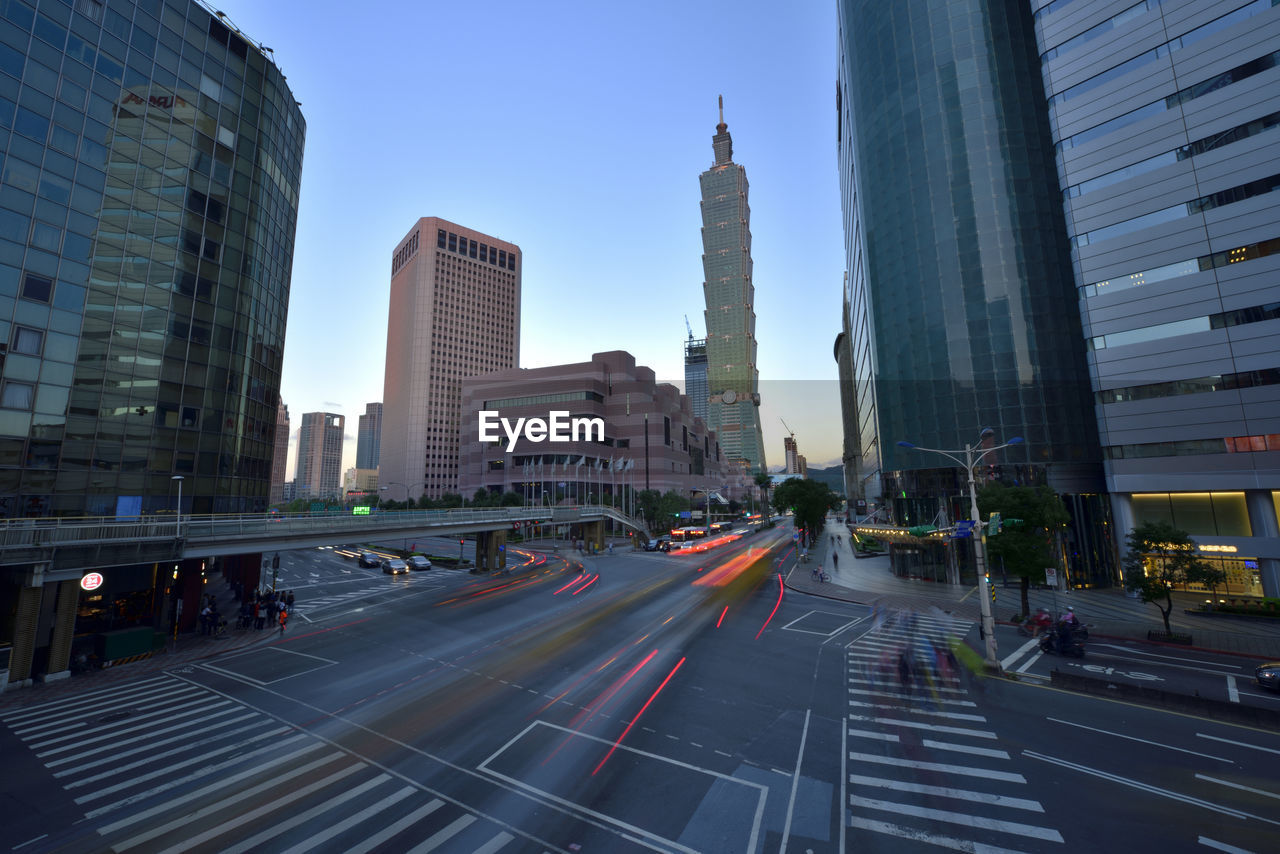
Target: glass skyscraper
{"points": [[733, 404], [959, 272], [695, 375], [151, 165]]}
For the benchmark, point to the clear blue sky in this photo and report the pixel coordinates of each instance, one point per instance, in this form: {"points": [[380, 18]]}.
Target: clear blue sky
{"points": [[576, 130]]}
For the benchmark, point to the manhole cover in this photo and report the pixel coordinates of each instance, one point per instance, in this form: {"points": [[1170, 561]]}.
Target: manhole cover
{"points": [[113, 717]]}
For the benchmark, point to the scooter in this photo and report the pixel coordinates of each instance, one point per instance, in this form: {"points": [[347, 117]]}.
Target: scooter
{"points": [[1054, 643]]}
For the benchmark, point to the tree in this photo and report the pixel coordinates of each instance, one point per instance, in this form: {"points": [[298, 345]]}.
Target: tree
{"points": [[765, 483], [1027, 546], [810, 500], [1158, 557], [511, 499]]}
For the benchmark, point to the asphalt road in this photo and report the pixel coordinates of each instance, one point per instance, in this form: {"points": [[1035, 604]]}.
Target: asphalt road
{"points": [[627, 702], [1217, 676]]}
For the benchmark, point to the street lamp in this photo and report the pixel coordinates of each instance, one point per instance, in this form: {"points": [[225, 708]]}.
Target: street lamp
{"points": [[178, 520], [969, 463]]}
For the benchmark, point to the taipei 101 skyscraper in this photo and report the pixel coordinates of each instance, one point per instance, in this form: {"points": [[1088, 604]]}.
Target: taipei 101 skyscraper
{"points": [[733, 405]]}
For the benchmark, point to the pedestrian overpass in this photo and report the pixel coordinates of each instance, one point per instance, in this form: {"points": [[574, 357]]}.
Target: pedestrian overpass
{"points": [[62, 548]]}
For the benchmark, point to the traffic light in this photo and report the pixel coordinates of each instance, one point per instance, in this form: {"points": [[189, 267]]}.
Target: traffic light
{"points": [[993, 525]]}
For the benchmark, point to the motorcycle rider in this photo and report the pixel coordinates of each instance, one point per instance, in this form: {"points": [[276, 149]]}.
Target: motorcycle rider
{"points": [[1041, 621]]}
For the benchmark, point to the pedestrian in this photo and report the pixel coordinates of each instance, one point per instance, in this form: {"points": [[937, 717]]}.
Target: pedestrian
{"points": [[284, 618], [835, 561], [205, 624], [259, 617]]}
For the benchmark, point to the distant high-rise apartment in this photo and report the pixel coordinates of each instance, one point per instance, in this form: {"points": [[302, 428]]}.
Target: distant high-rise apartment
{"points": [[1166, 124], [789, 451], [695, 375], [319, 473], [454, 313], [280, 456], [733, 404], [964, 314], [368, 436]]}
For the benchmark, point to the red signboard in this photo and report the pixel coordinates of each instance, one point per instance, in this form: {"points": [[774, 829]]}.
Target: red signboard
{"points": [[92, 581]]}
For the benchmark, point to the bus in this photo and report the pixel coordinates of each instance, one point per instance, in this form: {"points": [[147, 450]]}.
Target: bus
{"points": [[691, 532]]}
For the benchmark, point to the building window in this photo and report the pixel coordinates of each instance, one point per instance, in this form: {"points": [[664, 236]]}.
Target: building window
{"points": [[26, 340], [16, 395], [36, 288]]}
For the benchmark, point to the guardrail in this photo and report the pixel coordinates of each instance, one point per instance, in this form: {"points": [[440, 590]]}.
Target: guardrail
{"points": [[86, 541]]}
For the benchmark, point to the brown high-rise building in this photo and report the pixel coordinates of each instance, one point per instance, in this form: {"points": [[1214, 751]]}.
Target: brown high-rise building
{"points": [[280, 454], [319, 472], [454, 313]]}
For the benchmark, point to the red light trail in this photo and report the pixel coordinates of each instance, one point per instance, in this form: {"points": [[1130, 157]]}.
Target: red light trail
{"points": [[776, 605], [638, 714]]}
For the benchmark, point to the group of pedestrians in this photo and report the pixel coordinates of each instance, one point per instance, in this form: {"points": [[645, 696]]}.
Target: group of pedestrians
{"points": [[260, 607], [211, 622]]}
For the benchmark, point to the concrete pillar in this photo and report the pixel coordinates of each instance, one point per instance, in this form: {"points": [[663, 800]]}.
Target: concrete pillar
{"points": [[26, 619], [1262, 521], [593, 533], [64, 629], [1122, 517]]}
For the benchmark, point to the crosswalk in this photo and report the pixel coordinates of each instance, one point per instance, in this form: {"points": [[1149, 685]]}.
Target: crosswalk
{"points": [[164, 765], [923, 766]]}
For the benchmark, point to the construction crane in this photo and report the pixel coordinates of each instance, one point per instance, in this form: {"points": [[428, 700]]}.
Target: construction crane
{"points": [[687, 326], [789, 430]]}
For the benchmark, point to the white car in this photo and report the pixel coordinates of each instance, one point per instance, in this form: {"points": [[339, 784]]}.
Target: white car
{"points": [[418, 562]]}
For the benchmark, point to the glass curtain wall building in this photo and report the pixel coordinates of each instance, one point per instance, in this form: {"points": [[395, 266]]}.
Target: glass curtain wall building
{"points": [[1166, 122], [733, 380], [147, 209], [959, 270]]}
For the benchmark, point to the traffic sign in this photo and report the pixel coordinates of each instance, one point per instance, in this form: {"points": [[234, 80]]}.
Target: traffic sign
{"points": [[92, 581], [1051, 576]]}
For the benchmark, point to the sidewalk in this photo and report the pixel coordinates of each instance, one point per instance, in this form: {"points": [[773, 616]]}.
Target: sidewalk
{"points": [[186, 648], [1107, 612]]}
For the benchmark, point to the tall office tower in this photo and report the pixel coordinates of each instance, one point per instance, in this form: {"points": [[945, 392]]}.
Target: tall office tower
{"points": [[733, 404], [1166, 119], [280, 456], [695, 375], [789, 451], [368, 435], [455, 313], [147, 214], [319, 473], [955, 241]]}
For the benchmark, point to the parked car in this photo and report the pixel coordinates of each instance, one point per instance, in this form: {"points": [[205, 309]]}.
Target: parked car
{"points": [[1268, 675], [418, 562], [394, 566], [370, 559]]}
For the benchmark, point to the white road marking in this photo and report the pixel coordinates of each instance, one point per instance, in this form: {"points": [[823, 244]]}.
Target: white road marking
{"points": [[878, 736], [964, 748], [276, 828], [954, 716], [1030, 662], [342, 826], [1229, 784], [948, 792], [952, 730], [1048, 834], [1155, 790], [367, 845], [965, 770], [1018, 653], [443, 836], [1222, 846], [1232, 694], [939, 840], [1237, 743], [795, 782], [1135, 738], [91, 698]]}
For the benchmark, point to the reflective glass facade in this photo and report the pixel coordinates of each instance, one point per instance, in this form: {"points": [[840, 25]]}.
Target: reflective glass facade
{"points": [[148, 202], [965, 275], [733, 380]]}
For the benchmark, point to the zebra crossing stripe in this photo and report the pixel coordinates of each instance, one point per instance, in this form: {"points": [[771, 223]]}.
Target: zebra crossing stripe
{"points": [[141, 722], [952, 730], [266, 809], [947, 792], [276, 828], [954, 716], [145, 699], [184, 726], [116, 770], [273, 781], [1047, 834], [202, 774], [198, 759], [90, 698], [866, 693], [967, 845], [443, 836], [964, 770], [367, 845], [350, 822], [965, 748]]}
